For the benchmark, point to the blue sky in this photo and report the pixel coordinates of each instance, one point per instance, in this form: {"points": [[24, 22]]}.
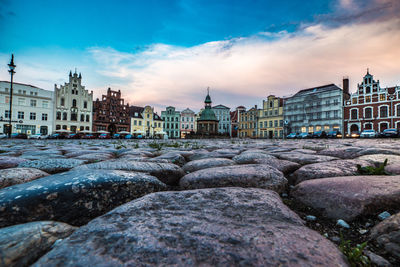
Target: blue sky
{"points": [[167, 52]]}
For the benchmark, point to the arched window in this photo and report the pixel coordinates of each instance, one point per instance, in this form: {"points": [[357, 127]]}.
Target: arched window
{"points": [[58, 127], [354, 114], [62, 101], [368, 113], [383, 111], [398, 110], [87, 118], [82, 117], [368, 90], [64, 116], [58, 116], [74, 103], [85, 104]]}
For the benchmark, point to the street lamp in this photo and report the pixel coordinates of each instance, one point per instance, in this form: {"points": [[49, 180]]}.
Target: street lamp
{"points": [[11, 71]]}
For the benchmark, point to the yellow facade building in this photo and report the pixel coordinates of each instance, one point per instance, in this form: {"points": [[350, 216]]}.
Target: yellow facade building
{"points": [[145, 122], [270, 118], [248, 123]]}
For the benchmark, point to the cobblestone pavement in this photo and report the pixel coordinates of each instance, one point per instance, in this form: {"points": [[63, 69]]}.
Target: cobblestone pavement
{"points": [[194, 202]]}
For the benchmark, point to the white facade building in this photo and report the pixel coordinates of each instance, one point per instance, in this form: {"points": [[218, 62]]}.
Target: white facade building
{"points": [[223, 115], [73, 106], [32, 109], [188, 122]]}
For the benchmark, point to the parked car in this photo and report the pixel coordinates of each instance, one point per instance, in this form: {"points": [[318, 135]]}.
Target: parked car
{"points": [[368, 134], [128, 136], [38, 136], [116, 136], [19, 136], [334, 134], [88, 136], [319, 134], [104, 136], [139, 136], [304, 135], [74, 136], [390, 133], [353, 134], [291, 136]]}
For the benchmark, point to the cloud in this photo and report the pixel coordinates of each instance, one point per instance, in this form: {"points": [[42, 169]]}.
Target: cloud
{"points": [[245, 70]]}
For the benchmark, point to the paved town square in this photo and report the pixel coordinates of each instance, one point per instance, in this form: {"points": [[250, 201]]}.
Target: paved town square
{"points": [[198, 202]]}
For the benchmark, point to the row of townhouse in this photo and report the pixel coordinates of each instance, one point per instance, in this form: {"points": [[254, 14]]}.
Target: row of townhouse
{"points": [[324, 108], [71, 108]]}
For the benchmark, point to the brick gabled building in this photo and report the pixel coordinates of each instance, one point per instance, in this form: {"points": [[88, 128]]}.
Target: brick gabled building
{"points": [[110, 113], [372, 107]]}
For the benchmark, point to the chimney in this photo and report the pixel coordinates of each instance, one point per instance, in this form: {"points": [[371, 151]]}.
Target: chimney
{"points": [[345, 85]]}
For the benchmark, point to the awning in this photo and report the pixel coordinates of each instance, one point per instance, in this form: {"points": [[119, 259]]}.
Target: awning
{"points": [[124, 132], [139, 132], [161, 132], [63, 131], [102, 132]]}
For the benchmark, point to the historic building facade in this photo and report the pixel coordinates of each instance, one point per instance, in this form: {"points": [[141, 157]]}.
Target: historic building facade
{"points": [[270, 118], [207, 123], [172, 120], [314, 109], [372, 107], [224, 119], [110, 113], [235, 120], [188, 122], [32, 109], [248, 123], [145, 122], [73, 106]]}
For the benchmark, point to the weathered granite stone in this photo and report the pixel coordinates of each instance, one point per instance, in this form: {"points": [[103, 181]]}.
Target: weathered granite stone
{"points": [[250, 157], [52, 165], [14, 176], [253, 175], [393, 168], [94, 157], [350, 196], [303, 159], [377, 260], [21, 245], [209, 227], [167, 173], [380, 158], [10, 162], [171, 157], [387, 234], [333, 168], [74, 197], [200, 164], [284, 166]]}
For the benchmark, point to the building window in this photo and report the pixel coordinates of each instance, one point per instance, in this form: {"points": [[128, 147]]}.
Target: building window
{"points": [[398, 110], [140, 123], [87, 128], [382, 97], [62, 102], [327, 114], [354, 114], [383, 111], [64, 127], [319, 115], [21, 101], [368, 99], [74, 117], [58, 115], [336, 102], [6, 114], [368, 90], [275, 123], [44, 116], [82, 117], [87, 118], [45, 104], [354, 101], [21, 115], [64, 116], [58, 127], [74, 103], [32, 116], [81, 128], [135, 122], [85, 104], [33, 103], [368, 113]]}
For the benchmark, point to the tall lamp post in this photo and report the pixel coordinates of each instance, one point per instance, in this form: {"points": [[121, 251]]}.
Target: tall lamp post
{"points": [[11, 71]]}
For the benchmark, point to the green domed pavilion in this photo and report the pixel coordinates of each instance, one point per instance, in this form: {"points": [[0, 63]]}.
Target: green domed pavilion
{"points": [[207, 124]]}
